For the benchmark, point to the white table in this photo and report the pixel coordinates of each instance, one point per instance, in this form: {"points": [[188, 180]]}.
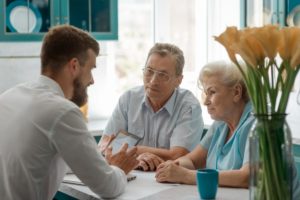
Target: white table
{"points": [[144, 187]]}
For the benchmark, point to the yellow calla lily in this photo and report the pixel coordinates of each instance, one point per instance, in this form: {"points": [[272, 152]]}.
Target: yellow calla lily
{"points": [[268, 37], [227, 39], [269, 83]]}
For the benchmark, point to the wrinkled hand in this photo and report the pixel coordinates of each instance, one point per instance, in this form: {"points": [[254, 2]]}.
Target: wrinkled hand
{"points": [[104, 143], [170, 171], [125, 159], [148, 162]]}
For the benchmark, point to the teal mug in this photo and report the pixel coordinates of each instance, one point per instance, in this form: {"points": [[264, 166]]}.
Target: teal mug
{"points": [[207, 183]]}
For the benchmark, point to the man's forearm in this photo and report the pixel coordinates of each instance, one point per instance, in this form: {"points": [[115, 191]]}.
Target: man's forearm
{"points": [[165, 154]]}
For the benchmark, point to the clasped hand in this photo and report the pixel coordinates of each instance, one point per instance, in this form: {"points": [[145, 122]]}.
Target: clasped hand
{"points": [[148, 161]]}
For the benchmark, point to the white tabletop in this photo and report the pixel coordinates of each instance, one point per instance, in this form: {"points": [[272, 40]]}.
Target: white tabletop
{"points": [[144, 187]]}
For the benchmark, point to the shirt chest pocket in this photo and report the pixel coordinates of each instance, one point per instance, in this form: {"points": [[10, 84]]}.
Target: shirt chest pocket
{"points": [[164, 140]]}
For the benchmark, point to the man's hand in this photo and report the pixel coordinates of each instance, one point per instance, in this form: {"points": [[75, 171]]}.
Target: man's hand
{"points": [[125, 159], [149, 162], [105, 141]]}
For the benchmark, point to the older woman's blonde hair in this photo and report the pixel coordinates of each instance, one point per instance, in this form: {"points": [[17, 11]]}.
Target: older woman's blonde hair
{"points": [[227, 73]]}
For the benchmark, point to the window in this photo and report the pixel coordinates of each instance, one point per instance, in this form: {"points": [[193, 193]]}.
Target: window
{"points": [[187, 24], [28, 20], [120, 66]]}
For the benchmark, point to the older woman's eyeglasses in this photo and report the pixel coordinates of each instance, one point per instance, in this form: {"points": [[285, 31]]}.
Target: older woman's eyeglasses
{"points": [[160, 76]]}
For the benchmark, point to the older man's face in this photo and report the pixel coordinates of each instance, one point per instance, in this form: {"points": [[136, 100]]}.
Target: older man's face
{"points": [[160, 79]]}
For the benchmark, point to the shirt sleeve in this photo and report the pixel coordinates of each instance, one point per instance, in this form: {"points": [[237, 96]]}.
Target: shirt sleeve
{"points": [[118, 120], [246, 153], [189, 128], [78, 148], [206, 140]]}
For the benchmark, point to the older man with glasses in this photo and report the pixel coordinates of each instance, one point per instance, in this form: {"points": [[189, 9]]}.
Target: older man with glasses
{"points": [[167, 118]]}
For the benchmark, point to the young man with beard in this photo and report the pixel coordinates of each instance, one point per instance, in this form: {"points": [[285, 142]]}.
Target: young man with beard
{"points": [[42, 129]]}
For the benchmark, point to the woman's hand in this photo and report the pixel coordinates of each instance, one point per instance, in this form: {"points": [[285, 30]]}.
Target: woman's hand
{"points": [[170, 171]]}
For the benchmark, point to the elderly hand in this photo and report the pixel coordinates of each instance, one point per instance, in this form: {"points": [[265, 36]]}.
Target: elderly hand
{"points": [[170, 171], [125, 159], [149, 162]]}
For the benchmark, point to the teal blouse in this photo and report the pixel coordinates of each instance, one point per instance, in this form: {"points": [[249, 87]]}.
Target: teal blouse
{"points": [[235, 152]]}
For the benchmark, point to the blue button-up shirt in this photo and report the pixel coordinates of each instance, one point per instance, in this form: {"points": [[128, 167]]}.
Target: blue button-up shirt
{"points": [[178, 123]]}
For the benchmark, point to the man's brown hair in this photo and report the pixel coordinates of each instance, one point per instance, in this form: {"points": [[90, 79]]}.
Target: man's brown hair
{"points": [[64, 42]]}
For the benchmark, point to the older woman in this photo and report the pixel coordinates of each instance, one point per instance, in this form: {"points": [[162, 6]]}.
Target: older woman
{"points": [[225, 145]]}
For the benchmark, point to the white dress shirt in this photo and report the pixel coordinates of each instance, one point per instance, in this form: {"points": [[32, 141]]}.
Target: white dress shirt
{"points": [[41, 133]]}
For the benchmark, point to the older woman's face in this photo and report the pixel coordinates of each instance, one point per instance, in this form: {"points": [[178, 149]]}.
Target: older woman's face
{"points": [[219, 98]]}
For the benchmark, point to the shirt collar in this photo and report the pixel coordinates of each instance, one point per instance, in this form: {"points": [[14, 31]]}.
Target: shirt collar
{"points": [[169, 105], [246, 113], [244, 117], [51, 84]]}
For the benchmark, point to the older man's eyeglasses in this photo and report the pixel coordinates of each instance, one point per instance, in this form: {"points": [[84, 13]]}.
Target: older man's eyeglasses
{"points": [[160, 76]]}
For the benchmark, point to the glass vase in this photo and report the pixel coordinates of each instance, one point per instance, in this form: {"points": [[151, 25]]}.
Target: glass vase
{"points": [[270, 158]]}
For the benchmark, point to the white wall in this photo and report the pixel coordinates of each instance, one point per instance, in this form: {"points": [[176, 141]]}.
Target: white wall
{"points": [[13, 69]]}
